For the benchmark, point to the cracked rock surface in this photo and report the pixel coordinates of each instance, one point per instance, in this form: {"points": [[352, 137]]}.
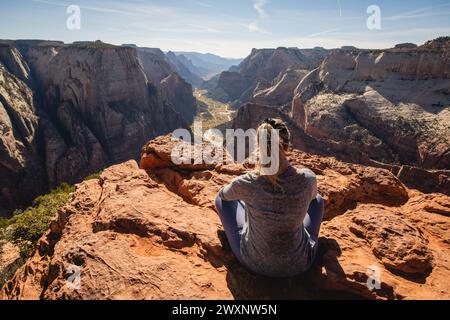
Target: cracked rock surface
{"points": [[153, 234]]}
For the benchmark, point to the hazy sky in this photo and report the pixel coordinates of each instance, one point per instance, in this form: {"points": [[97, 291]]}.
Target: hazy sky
{"points": [[229, 28]]}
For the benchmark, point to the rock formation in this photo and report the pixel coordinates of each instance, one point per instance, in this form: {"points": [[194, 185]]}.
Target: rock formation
{"points": [[175, 91], [281, 92], [207, 65], [394, 105], [265, 68], [154, 234], [9, 258], [67, 111], [386, 106], [426, 180], [155, 63], [181, 66], [22, 175]]}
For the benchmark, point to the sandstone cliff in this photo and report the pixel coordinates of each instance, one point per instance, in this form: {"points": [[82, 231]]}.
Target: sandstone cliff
{"points": [[154, 234], [394, 105], [177, 93], [67, 111], [179, 66], [281, 91], [388, 106], [22, 175], [260, 70], [426, 180], [155, 64]]}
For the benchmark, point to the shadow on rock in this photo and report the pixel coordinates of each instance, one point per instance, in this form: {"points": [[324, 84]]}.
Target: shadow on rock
{"points": [[246, 285]]}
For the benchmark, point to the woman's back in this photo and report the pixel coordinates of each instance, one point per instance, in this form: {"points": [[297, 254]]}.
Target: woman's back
{"points": [[273, 240]]}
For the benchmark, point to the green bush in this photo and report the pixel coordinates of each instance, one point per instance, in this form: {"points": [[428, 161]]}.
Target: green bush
{"points": [[7, 273], [26, 226], [3, 223], [94, 176]]}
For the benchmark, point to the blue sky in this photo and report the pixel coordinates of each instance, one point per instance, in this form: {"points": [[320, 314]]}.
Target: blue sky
{"points": [[229, 28]]}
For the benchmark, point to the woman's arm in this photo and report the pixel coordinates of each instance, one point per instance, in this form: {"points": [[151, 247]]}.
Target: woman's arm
{"points": [[315, 191], [236, 190], [311, 184]]}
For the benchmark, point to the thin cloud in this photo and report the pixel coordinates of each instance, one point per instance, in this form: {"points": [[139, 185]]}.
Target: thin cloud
{"points": [[202, 4], [187, 29], [254, 26], [418, 13], [259, 7], [425, 33], [321, 33], [340, 8], [414, 16], [138, 9]]}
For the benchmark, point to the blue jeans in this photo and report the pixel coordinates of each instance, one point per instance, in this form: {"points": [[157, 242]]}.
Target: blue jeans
{"points": [[232, 215]]}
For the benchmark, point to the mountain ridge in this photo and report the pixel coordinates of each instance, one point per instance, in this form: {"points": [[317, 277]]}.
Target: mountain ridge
{"points": [[208, 64]]}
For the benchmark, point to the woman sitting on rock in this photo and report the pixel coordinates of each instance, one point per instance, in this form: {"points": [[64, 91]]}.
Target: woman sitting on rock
{"points": [[272, 222]]}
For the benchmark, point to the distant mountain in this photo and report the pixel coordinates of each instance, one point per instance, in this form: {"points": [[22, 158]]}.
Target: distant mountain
{"points": [[208, 65], [263, 69], [193, 67], [185, 69], [390, 104]]}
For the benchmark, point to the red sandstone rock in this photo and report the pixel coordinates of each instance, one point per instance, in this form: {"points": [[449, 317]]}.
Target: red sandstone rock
{"points": [[153, 234], [262, 69]]}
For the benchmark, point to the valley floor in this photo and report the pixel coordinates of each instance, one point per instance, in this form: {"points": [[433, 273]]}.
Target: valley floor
{"points": [[213, 113]]}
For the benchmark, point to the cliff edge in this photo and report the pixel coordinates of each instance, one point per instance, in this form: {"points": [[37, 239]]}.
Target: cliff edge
{"points": [[154, 234]]}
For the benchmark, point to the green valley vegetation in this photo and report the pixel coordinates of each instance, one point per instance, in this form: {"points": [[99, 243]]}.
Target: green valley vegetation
{"points": [[213, 113], [27, 226]]}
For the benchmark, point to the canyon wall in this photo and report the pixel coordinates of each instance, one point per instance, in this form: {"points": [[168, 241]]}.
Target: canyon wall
{"points": [[22, 174], [175, 90], [394, 104], [265, 68], [184, 67], [67, 111], [383, 108]]}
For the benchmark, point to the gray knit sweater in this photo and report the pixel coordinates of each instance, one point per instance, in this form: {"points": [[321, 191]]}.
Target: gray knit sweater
{"points": [[274, 241]]}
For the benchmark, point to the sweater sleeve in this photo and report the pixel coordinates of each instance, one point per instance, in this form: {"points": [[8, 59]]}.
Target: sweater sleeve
{"points": [[236, 190], [312, 183], [314, 191]]}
